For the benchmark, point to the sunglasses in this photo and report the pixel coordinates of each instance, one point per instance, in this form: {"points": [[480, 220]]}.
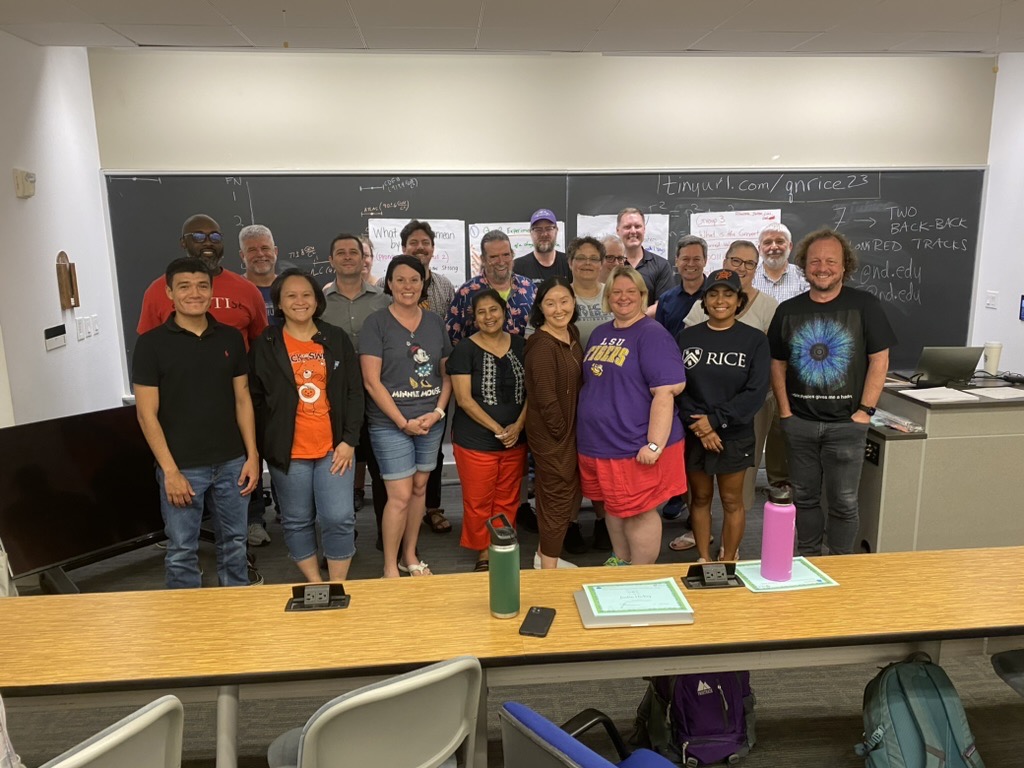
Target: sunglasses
{"points": [[202, 237]]}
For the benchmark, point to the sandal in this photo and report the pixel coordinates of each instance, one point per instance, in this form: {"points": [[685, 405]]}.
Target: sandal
{"points": [[685, 542], [419, 569], [482, 565], [437, 521]]}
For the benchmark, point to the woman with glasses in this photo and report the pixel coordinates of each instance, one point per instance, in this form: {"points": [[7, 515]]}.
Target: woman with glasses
{"points": [[308, 398], [742, 258], [727, 366], [586, 260]]}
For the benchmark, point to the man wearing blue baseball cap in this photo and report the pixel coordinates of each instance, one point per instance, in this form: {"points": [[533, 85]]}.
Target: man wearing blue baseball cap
{"points": [[545, 261]]}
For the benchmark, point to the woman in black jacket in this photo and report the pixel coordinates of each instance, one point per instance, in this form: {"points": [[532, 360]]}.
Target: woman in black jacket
{"points": [[307, 392]]}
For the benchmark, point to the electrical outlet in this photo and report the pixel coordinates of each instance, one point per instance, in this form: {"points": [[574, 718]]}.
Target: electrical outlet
{"points": [[317, 594], [991, 299]]}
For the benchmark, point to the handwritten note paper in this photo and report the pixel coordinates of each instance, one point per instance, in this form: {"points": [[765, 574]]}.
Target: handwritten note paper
{"points": [[636, 597], [721, 228], [449, 246]]}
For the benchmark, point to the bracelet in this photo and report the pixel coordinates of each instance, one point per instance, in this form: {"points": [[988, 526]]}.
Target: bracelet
{"points": [[439, 412]]}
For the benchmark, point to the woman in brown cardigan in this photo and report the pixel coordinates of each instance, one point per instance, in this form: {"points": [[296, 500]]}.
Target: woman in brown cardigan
{"points": [[554, 362]]}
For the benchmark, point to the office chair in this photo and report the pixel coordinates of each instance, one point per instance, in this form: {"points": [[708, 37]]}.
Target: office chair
{"points": [[1009, 665], [148, 738], [415, 720], [529, 740]]}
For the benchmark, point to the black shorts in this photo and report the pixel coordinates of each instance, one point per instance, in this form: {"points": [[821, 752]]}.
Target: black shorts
{"points": [[737, 455]]}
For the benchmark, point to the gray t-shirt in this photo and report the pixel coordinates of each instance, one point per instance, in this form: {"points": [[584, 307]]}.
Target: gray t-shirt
{"points": [[590, 316], [410, 362]]}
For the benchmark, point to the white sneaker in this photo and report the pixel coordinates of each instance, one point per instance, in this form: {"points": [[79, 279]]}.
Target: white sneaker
{"points": [[258, 535], [561, 563]]}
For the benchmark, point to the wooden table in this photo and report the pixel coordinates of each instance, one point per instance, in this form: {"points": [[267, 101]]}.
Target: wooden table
{"points": [[885, 606]]}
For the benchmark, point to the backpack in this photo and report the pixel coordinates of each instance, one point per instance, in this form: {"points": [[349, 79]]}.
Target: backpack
{"points": [[913, 718], [699, 719]]}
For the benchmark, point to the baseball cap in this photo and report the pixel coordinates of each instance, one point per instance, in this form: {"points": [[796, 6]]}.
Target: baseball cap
{"points": [[724, 277], [543, 214]]}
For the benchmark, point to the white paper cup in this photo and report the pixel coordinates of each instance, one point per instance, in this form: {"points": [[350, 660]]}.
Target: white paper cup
{"points": [[993, 349]]}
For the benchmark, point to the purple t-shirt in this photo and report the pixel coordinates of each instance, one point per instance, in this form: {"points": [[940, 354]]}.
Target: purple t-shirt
{"points": [[620, 367]]}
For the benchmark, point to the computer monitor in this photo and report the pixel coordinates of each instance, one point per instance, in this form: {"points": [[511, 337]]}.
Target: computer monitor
{"points": [[76, 490]]}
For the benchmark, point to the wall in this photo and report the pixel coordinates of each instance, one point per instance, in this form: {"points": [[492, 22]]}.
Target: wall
{"points": [[165, 110], [49, 128], [1001, 265]]}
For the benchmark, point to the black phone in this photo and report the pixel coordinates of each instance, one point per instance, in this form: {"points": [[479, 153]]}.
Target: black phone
{"points": [[537, 622]]}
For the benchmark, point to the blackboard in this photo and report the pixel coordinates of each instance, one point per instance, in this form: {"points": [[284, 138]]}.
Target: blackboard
{"points": [[916, 231]]}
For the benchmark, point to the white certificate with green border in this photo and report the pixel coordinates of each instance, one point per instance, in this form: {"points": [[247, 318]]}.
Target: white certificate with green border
{"points": [[636, 598]]}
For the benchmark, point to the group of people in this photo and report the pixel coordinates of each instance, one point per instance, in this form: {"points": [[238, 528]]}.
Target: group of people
{"points": [[599, 370]]}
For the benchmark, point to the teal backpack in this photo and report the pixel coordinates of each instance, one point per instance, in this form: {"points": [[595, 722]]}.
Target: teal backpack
{"points": [[913, 718]]}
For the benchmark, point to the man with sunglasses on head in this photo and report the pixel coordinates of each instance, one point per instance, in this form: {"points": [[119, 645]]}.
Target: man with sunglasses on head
{"points": [[236, 301]]}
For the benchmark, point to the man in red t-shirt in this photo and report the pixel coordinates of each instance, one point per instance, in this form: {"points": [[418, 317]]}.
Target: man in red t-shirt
{"points": [[236, 301]]}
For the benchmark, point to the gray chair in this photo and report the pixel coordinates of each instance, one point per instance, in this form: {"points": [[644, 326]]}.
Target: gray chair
{"points": [[415, 720], [1009, 665], [148, 738]]}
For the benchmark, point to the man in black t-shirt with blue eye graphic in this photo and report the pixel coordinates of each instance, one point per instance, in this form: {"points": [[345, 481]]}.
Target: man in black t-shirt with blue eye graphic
{"points": [[830, 352]]}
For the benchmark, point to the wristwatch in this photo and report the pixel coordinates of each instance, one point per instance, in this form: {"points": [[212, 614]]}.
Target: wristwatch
{"points": [[869, 410], [654, 447]]}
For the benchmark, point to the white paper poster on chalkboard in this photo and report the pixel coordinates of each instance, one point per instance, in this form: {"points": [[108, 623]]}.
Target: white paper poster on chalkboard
{"points": [[721, 228], [655, 236], [518, 234], [449, 246]]}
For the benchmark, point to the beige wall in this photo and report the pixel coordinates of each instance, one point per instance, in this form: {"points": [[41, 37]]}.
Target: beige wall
{"points": [[201, 111]]}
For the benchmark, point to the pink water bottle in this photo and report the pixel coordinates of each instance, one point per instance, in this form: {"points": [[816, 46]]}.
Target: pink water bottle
{"points": [[778, 536]]}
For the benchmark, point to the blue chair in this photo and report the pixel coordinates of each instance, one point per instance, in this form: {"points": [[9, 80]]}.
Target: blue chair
{"points": [[529, 740]]}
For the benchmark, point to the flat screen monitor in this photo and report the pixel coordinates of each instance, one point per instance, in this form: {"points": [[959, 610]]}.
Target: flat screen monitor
{"points": [[75, 490]]}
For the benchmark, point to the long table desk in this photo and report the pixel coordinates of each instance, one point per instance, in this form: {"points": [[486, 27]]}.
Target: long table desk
{"points": [[885, 605]]}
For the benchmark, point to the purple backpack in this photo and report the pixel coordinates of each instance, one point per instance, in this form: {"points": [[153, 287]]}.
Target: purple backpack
{"points": [[700, 719]]}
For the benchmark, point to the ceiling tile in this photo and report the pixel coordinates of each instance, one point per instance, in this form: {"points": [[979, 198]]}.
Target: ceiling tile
{"points": [[585, 14], [296, 13], [38, 11], [787, 16], [671, 14], [419, 39], [534, 39], [645, 41], [916, 15], [751, 42], [417, 13], [120, 12], [303, 37], [183, 36], [852, 42], [949, 41], [95, 35]]}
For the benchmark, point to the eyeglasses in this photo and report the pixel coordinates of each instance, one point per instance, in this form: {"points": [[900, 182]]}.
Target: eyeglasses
{"points": [[738, 263], [616, 259], [588, 259], [543, 230], [201, 237]]}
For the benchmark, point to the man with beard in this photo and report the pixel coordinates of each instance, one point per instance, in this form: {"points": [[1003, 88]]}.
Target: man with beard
{"points": [[775, 275], [780, 280], [830, 351], [418, 240], [236, 302], [497, 273], [258, 253], [544, 261], [631, 226]]}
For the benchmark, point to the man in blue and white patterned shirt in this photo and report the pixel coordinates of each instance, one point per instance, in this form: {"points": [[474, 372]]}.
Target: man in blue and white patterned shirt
{"points": [[775, 275]]}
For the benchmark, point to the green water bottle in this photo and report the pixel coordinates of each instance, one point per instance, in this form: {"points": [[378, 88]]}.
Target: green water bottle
{"points": [[503, 569]]}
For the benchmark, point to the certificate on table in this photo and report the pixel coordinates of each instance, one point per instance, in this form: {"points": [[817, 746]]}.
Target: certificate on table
{"points": [[633, 603], [805, 576]]}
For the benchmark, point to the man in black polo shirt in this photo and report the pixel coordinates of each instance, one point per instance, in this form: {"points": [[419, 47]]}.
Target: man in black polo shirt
{"points": [[631, 226], [192, 397]]}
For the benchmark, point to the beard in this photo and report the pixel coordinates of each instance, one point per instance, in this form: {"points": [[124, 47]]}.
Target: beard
{"points": [[544, 247]]}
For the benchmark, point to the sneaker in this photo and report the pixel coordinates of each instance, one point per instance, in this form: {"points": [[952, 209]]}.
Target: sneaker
{"points": [[358, 497], [602, 541], [615, 561], [674, 508], [561, 563], [161, 544], [258, 535], [574, 542], [255, 577], [526, 518]]}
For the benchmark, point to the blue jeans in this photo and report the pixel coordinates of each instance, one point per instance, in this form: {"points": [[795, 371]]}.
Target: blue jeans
{"points": [[832, 452], [181, 524], [310, 494]]}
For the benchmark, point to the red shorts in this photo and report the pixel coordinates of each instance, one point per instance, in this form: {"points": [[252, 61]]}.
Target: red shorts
{"points": [[629, 488]]}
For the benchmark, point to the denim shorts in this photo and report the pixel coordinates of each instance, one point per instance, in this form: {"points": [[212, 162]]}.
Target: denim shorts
{"points": [[400, 455]]}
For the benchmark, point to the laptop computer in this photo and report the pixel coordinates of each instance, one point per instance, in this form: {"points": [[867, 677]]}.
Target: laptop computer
{"points": [[939, 366]]}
